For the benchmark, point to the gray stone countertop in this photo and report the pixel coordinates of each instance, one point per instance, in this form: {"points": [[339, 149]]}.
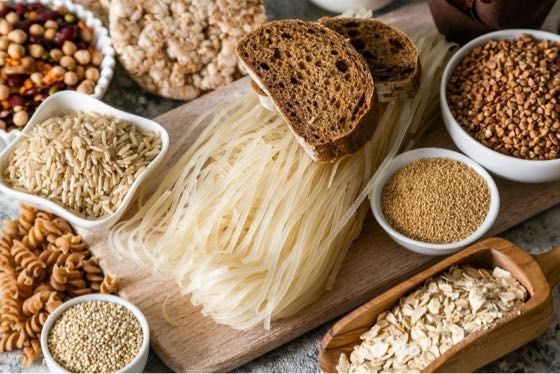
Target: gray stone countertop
{"points": [[536, 235]]}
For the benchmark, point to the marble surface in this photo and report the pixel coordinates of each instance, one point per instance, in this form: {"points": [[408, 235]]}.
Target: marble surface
{"points": [[536, 235]]}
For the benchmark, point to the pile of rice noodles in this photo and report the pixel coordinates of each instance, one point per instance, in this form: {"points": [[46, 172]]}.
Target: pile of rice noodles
{"points": [[247, 224]]}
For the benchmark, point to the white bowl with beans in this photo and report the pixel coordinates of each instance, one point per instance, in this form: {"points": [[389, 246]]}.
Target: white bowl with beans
{"points": [[503, 165], [422, 247], [136, 365], [69, 102], [101, 41]]}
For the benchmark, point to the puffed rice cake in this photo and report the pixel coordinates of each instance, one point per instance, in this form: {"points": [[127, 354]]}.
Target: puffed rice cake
{"points": [[100, 8], [181, 48]]}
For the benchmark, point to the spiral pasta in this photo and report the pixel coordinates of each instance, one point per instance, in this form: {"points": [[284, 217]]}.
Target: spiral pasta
{"points": [[58, 278], [109, 285], [26, 219], [42, 264], [13, 340], [8, 284], [35, 303], [24, 283], [27, 259], [35, 323], [30, 353]]}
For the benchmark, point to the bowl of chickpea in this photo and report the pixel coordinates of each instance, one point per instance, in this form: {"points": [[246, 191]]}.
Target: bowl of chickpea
{"points": [[48, 46]]}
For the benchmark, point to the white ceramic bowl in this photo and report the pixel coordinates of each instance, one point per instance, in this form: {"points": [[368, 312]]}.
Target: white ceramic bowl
{"points": [[428, 248], [102, 43], [72, 101], [135, 366], [508, 167], [338, 6]]}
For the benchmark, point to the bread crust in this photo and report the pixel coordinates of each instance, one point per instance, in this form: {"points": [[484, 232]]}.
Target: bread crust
{"points": [[362, 123], [361, 34]]}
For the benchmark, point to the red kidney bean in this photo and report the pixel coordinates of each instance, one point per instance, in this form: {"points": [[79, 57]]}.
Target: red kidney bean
{"points": [[32, 91], [67, 33], [20, 9], [34, 103], [4, 12], [9, 120], [47, 14], [36, 6], [82, 45], [35, 39], [59, 85], [16, 80], [24, 25], [16, 100]]}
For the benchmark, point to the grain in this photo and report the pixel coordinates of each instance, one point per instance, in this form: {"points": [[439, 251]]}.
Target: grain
{"points": [[506, 94], [443, 312], [436, 200], [95, 337], [85, 162], [42, 264]]}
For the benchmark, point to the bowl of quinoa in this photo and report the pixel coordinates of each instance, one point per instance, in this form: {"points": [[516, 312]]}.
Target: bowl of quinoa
{"points": [[96, 333], [500, 101]]}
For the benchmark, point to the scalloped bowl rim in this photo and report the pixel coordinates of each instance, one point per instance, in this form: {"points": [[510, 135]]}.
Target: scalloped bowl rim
{"points": [[102, 43]]}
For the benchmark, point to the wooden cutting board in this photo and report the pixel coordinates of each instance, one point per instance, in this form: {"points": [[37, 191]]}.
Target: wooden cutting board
{"points": [[374, 262]]}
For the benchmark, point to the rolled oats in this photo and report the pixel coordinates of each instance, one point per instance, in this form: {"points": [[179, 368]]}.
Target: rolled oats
{"points": [[180, 48], [429, 321]]}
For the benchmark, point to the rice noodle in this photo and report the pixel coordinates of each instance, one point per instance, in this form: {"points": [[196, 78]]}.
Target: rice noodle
{"points": [[247, 224]]}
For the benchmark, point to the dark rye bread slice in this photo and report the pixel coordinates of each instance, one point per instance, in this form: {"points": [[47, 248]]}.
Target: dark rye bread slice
{"points": [[391, 55], [317, 81]]}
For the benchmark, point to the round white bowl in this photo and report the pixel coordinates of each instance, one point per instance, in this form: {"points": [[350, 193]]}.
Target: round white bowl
{"points": [[102, 43], [72, 101], [137, 365], [338, 6], [429, 248], [507, 167]]}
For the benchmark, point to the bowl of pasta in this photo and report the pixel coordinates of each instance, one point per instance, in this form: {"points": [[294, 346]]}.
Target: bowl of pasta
{"points": [[96, 333]]}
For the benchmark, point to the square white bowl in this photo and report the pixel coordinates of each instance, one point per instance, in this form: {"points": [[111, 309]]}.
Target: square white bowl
{"points": [[72, 101]]}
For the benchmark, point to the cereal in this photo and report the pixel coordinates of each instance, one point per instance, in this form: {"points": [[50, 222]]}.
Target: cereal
{"points": [[506, 94], [95, 337], [85, 162], [179, 48], [436, 200], [42, 264], [429, 321]]}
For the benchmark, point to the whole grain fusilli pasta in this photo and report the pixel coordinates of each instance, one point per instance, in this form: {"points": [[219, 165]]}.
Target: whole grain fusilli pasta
{"points": [[31, 353], [42, 264], [35, 323], [109, 285]]}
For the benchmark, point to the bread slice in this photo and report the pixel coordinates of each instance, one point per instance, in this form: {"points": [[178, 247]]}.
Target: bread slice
{"points": [[263, 97], [391, 56], [317, 81]]}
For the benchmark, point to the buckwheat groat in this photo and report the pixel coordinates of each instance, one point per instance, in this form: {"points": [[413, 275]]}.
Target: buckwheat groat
{"points": [[180, 48]]}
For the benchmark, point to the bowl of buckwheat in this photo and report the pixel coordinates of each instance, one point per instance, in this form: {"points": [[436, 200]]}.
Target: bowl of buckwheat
{"points": [[45, 47], [500, 101], [96, 333]]}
